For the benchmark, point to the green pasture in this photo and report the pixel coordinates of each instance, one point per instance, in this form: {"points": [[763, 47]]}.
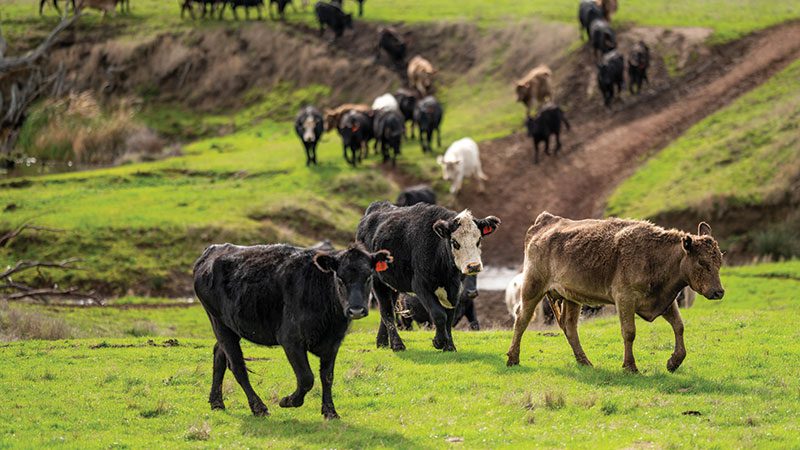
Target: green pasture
{"points": [[737, 388]]}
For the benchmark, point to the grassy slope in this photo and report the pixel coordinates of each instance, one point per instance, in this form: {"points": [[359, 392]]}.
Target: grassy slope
{"points": [[739, 375], [738, 155]]}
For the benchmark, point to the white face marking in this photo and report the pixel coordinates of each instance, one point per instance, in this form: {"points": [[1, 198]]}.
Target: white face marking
{"points": [[308, 129], [464, 244]]}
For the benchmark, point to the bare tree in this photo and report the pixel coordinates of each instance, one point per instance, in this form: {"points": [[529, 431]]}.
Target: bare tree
{"points": [[23, 80]]}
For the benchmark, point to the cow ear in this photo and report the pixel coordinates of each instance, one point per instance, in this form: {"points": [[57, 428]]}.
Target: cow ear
{"points": [[687, 243], [325, 262], [704, 229], [381, 260], [487, 225], [442, 228]]}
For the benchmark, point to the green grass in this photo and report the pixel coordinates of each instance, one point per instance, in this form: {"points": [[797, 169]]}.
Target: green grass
{"points": [[148, 392], [739, 155], [728, 19]]}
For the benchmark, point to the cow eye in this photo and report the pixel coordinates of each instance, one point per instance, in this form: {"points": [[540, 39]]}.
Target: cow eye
{"points": [[455, 244]]}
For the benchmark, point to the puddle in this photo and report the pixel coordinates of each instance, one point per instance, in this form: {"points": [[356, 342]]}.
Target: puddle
{"points": [[495, 278]]}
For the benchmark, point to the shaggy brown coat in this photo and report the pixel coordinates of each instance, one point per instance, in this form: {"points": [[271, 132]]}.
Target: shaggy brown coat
{"points": [[333, 116], [420, 75], [636, 266], [535, 85]]}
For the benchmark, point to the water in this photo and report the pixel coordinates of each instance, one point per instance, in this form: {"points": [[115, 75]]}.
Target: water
{"points": [[31, 166], [495, 278]]}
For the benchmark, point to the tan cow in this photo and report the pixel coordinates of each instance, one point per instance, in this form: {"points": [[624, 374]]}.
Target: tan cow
{"points": [[332, 116], [420, 75], [535, 85], [108, 7], [634, 265]]}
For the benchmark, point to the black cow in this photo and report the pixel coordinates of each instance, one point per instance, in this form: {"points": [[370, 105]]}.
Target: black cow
{"points": [[55, 5], [610, 73], [388, 128], [428, 117], [355, 128], [588, 12], [546, 123], [300, 299], [416, 194], [332, 15], [393, 44], [638, 62], [433, 249], [603, 38], [309, 127], [360, 6], [411, 309], [246, 4], [407, 100]]}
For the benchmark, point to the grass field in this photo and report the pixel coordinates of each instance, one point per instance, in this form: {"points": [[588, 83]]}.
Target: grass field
{"points": [[739, 377], [729, 19], [740, 155]]}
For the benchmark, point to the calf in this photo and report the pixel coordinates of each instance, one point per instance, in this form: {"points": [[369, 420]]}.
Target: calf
{"points": [[462, 159], [428, 118], [420, 74], [636, 266], [331, 15], [355, 128], [334, 116], [407, 102], [610, 73], [410, 308], [638, 62], [536, 85], [433, 249], [588, 12], [416, 194], [388, 132], [390, 41], [309, 127], [246, 4], [300, 299], [603, 38], [546, 123]]}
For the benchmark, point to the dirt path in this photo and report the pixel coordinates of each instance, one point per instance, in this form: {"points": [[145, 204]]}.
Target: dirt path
{"points": [[605, 147]]}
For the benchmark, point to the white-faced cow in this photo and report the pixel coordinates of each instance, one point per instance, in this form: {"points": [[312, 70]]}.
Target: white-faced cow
{"points": [[434, 248], [636, 266], [309, 127], [300, 299], [462, 159]]}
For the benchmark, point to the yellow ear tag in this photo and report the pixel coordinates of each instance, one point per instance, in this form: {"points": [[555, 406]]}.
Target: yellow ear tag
{"points": [[441, 293]]}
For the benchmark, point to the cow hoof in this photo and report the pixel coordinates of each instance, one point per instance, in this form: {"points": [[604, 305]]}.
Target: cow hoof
{"points": [[217, 404], [329, 412], [512, 362], [631, 369], [449, 348], [291, 401], [584, 362], [260, 410], [673, 364]]}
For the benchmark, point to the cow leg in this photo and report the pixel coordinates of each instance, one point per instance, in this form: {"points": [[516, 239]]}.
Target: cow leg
{"points": [[532, 293], [572, 312], [298, 358], [535, 151], [673, 316], [439, 137], [220, 364], [314, 153], [627, 312], [387, 331], [326, 363], [412, 128], [558, 143], [229, 342], [547, 145]]}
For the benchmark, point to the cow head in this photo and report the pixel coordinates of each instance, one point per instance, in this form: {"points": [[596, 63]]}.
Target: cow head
{"points": [[309, 124], [701, 263], [523, 91], [450, 169], [353, 268], [464, 234]]}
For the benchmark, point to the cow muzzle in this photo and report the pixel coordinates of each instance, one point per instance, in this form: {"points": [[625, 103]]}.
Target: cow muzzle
{"points": [[357, 312], [473, 269], [472, 294], [716, 294]]}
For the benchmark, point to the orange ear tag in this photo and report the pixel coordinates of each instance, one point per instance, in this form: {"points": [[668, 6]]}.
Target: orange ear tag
{"points": [[381, 266]]}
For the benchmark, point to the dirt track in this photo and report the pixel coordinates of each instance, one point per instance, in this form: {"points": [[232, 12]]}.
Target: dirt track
{"points": [[605, 147]]}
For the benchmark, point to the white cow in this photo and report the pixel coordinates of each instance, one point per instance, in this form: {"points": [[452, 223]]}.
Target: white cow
{"points": [[462, 159], [386, 102]]}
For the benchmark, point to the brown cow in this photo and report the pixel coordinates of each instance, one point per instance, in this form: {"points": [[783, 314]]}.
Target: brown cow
{"points": [[535, 85], [609, 7], [634, 265], [420, 75], [333, 116]]}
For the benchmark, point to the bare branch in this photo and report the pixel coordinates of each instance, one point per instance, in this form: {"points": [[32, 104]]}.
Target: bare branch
{"points": [[6, 238], [9, 64], [22, 266]]}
